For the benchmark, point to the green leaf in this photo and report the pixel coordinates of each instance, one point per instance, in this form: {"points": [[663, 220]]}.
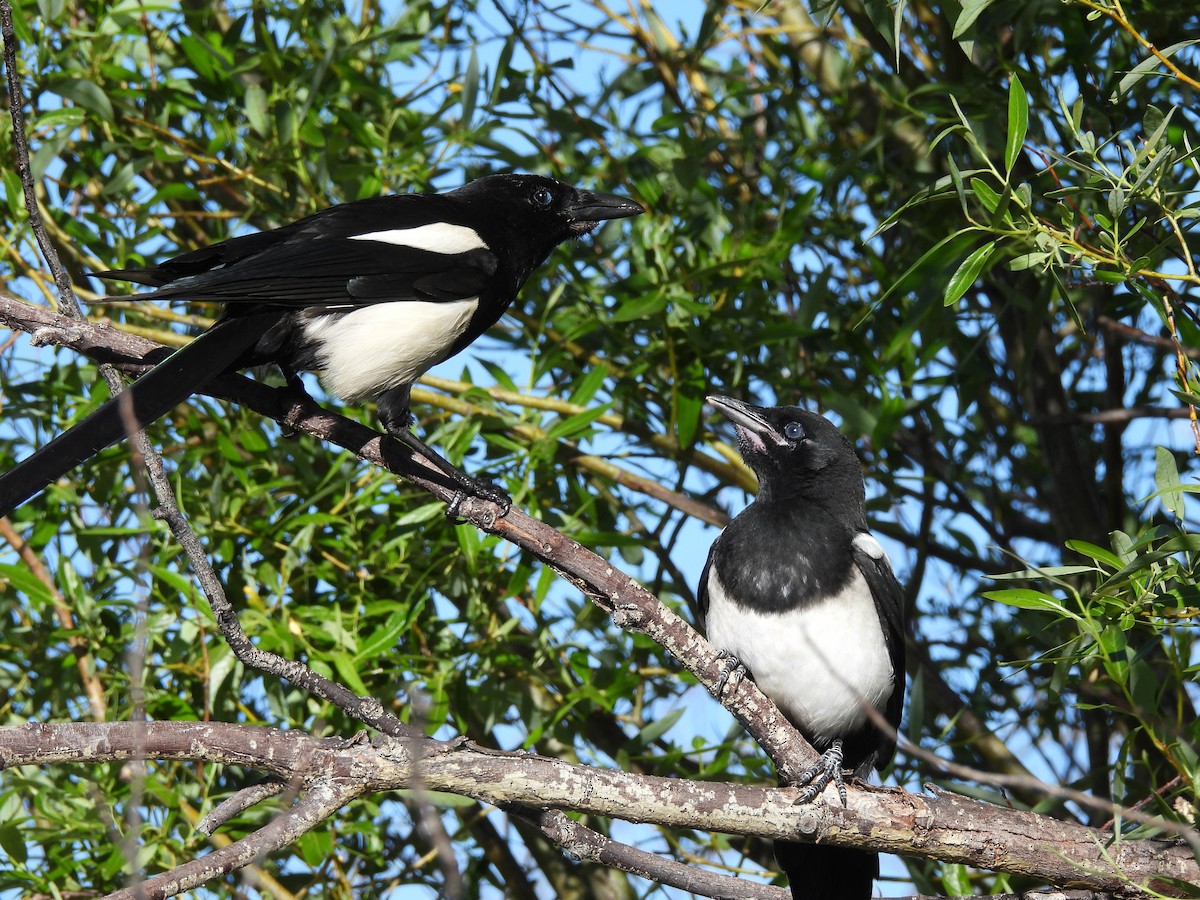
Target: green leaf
{"points": [[971, 10], [384, 640], [1027, 598], [963, 277], [1166, 477], [470, 88], [577, 424], [985, 194], [587, 387], [640, 307], [1028, 261], [1018, 122], [86, 94], [956, 881], [659, 727], [1099, 554], [347, 672], [1147, 66], [256, 110]]}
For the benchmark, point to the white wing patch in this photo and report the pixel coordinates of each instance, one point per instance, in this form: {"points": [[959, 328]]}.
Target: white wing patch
{"points": [[375, 348], [865, 542], [818, 663], [437, 237]]}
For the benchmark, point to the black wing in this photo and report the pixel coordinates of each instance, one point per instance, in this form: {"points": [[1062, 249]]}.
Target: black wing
{"points": [[700, 605], [317, 262], [889, 604]]}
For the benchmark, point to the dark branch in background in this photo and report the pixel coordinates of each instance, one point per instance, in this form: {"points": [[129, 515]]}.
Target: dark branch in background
{"points": [[1136, 336], [583, 843], [1116, 416]]}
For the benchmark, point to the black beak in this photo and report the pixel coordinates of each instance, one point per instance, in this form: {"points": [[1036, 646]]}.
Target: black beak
{"points": [[745, 417], [588, 209]]}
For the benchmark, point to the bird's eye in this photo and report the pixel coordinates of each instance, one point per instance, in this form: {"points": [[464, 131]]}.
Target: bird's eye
{"points": [[794, 431], [542, 197]]}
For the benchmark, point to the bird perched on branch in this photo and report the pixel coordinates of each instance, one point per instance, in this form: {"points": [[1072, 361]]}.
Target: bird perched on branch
{"points": [[370, 293], [798, 592]]}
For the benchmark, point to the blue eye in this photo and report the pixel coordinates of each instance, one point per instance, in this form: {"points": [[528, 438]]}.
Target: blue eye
{"points": [[543, 197], [794, 431]]}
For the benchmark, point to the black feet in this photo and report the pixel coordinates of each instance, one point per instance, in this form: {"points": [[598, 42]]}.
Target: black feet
{"points": [[470, 486], [826, 769], [464, 484], [733, 670]]}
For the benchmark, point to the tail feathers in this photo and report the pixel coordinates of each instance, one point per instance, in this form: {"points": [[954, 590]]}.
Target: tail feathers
{"points": [[819, 872], [137, 276], [153, 395]]}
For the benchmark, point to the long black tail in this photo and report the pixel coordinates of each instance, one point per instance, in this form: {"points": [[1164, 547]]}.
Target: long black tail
{"points": [[155, 394], [817, 872]]}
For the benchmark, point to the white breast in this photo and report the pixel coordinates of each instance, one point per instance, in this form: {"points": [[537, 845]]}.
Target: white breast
{"points": [[369, 350], [817, 663]]}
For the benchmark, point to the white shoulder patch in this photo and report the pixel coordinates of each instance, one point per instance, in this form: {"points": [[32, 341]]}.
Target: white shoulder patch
{"points": [[866, 543], [437, 237]]}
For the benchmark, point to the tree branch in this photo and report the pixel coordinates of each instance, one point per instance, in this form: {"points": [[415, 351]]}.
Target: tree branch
{"points": [[334, 771]]}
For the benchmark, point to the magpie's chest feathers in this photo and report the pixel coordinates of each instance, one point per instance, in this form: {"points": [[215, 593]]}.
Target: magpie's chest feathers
{"points": [[773, 560]]}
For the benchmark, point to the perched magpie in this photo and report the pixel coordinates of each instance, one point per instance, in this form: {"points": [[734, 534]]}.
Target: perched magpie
{"points": [[798, 592], [370, 293]]}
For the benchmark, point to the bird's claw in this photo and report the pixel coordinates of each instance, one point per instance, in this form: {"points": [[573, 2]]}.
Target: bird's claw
{"points": [[732, 668], [488, 490], [452, 508], [826, 769], [481, 488]]}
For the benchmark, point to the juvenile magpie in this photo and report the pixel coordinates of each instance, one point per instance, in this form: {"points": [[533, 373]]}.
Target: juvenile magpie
{"points": [[370, 293], [798, 592]]}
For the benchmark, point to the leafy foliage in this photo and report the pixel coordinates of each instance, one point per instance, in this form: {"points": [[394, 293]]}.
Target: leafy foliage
{"points": [[964, 230]]}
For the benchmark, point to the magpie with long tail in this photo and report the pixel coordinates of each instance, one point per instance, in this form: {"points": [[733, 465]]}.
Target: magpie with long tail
{"points": [[370, 293], [800, 596]]}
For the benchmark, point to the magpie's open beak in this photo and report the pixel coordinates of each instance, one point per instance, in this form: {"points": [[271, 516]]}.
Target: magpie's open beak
{"points": [[747, 419], [590, 209]]}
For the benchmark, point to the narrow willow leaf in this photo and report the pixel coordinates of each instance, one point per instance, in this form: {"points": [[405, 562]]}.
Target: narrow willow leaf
{"points": [[1166, 478], [965, 275], [1018, 122], [971, 10], [1027, 598], [1146, 67], [256, 110]]}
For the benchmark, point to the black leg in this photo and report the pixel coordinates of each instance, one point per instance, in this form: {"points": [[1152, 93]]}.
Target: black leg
{"points": [[466, 484], [393, 408], [826, 769], [295, 383]]}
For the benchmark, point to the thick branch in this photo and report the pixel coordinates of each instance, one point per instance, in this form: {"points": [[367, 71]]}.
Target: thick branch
{"points": [[945, 826]]}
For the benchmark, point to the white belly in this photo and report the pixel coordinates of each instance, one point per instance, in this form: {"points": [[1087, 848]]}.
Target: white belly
{"points": [[367, 351], [819, 663]]}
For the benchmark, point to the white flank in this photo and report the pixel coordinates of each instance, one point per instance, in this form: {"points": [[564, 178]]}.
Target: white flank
{"points": [[817, 663], [438, 237], [372, 349], [865, 541]]}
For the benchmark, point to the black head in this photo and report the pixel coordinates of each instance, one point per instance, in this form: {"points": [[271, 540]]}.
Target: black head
{"points": [[540, 211], [795, 454]]}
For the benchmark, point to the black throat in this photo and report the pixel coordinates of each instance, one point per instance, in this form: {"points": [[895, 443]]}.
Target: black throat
{"points": [[776, 556]]}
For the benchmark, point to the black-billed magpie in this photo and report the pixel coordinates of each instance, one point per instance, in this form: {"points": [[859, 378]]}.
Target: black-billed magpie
{"points": [[370, 293], [798, 591]]}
